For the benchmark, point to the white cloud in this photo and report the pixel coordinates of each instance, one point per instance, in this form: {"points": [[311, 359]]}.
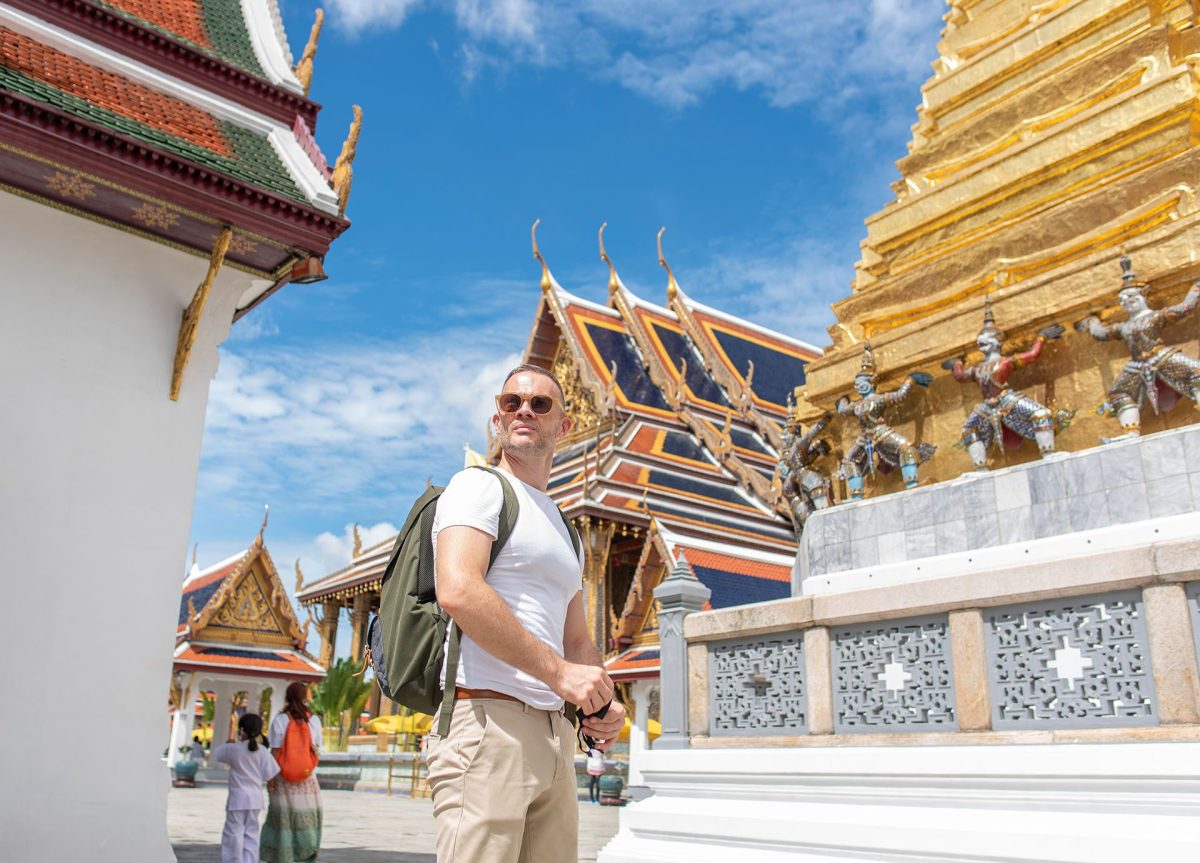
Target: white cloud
{"points": [[820, 52], [350, 429], [355, 15]]}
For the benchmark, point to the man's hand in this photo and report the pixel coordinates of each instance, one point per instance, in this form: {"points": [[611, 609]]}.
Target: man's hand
{"points": [[606, 731], [588, 687]]}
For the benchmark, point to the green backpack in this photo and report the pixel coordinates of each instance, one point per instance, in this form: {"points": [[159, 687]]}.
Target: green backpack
{"points": [[406, 640]]}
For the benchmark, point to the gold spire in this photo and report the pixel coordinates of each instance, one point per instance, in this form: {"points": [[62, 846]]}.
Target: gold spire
{"points": [[304, 69], [343, 170], [266, 515], [672, 285], [613, 282], [357, 541], [546, 283]]}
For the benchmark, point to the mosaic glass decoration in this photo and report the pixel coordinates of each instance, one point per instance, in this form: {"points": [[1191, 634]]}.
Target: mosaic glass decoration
{"points": [[756, 686], [894, 676], [1070, 663]]}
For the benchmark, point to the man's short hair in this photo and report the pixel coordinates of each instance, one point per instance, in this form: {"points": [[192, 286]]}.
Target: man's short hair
{"points": [[538, 370]]}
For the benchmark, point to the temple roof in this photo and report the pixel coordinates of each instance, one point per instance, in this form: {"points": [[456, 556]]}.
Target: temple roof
{"points": [[170, 119], [235, 616], [637, 663], [248, 661], [216, 27]]}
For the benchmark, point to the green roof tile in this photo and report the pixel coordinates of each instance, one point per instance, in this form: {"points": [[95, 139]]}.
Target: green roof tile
{"points": [[226, 28], [255, 160]]}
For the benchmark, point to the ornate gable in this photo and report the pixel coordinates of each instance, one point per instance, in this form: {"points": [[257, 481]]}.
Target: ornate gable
{"points": [[249, 607]]}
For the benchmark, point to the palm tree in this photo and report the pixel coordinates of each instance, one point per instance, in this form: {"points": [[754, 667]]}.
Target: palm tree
{"points": [[340, 693]]}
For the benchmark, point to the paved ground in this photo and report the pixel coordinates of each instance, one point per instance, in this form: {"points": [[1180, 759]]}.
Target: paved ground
{"points": [[360, 827]]}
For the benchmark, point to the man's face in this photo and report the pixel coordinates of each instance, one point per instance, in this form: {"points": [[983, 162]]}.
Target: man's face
{"points": [[523, 431]]}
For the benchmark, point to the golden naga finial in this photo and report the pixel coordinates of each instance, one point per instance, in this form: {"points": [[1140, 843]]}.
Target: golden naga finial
{"points": [[304, 69], [195, 553], [357, 541], [613, 282], [299, 576], [343, 170], [266, 515], [546, 283], [191, 315], [672, 285]]}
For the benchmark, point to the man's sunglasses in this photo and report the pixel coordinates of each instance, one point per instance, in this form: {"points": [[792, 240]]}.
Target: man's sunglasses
{"points": [[510, 403]]}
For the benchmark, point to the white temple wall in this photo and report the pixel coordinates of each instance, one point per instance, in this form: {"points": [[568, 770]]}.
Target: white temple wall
{"points": [[99, 471]]}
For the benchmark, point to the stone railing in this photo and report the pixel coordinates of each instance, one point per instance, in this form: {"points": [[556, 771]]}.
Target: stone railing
{"points": [[1099, 647]]}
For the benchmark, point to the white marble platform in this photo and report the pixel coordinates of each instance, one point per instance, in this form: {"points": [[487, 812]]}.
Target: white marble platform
{"points": [[1115, 486]]}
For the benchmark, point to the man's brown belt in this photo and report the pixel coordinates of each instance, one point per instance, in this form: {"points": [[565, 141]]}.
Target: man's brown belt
{"points": [[462, 692]]}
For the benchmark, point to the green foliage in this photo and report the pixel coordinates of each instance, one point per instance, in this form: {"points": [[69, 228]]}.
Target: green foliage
{"points": [[340, 693]]}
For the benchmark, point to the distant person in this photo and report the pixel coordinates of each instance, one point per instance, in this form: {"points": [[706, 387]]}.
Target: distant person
{"points": [[250, 765], [595, 769], [503, 778], [292, 832], [197, 752]]}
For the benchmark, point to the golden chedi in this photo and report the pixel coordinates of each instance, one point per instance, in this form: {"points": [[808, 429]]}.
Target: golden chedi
{"points": [[1052, 138]]}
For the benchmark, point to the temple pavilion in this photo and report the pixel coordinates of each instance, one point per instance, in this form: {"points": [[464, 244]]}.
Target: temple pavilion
{"points": [[237, 633], [159, 177], [678, 413]]}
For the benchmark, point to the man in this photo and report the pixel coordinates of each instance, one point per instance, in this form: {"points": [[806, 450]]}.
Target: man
{"points": [[503, 778]]}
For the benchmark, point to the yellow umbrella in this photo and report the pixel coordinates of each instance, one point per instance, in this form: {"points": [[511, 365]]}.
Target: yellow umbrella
{"points": [[418, 723], [655, 729]]}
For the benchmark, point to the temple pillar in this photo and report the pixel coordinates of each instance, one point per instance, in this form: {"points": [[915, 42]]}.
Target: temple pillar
{"points": [[360, 614], [596, 537], [222, 712], [639, 728], [278, 691], [182, 720], [329, 628]]}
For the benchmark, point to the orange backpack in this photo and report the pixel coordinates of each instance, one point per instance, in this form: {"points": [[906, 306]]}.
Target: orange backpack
{"points": [[296, 757]]}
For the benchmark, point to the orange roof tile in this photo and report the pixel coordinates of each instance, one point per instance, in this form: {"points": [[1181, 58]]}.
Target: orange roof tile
{"points": [[184, 17], [112, 92], [281, 660], [738, 565]]}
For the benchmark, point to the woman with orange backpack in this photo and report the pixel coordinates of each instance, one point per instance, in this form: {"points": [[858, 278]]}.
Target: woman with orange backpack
{"points": [[292, 832]]}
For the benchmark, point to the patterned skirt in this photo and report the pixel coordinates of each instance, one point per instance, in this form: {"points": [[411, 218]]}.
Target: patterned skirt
{"points": [[292, 832]]}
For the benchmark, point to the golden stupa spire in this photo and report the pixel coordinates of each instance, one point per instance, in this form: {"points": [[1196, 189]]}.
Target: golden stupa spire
{"points": [[613, 282], [672, 285], [546, 282]]}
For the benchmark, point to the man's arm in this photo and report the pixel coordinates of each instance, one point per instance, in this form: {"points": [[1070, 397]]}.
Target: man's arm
{"points": [[579, 647], [462, 563]]}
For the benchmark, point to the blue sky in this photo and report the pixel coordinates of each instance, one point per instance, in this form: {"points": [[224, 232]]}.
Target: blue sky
{"points": [[760, 133]]}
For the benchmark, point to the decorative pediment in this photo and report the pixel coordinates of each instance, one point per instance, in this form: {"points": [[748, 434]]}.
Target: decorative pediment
{"points": [[250, 606]]}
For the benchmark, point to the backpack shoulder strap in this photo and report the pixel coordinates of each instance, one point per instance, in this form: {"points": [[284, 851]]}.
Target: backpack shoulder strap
{"points": [[575, 541]]}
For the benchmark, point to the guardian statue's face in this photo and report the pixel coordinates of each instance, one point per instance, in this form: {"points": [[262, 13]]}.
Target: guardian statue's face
{"points": [[863, 385], [1132, 301], [988, 343]]}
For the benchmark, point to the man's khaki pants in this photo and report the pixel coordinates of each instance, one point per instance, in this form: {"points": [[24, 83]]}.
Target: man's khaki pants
{"points": [[503, 783]]}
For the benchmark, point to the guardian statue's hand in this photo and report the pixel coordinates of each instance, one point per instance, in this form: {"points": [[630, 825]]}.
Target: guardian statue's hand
{"points": [[1052, 332], [950, 363], [921, 379]]}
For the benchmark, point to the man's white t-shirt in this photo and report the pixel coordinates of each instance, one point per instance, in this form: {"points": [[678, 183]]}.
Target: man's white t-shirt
{"points": [[537, 574]]}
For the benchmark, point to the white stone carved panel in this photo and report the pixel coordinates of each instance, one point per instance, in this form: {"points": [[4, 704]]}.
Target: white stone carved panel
{"points": [[756, 686], [895, 676], [1070, 663]]}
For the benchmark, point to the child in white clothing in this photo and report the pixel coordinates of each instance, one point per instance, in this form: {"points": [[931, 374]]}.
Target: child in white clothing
{"points": [[250, 765]]}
